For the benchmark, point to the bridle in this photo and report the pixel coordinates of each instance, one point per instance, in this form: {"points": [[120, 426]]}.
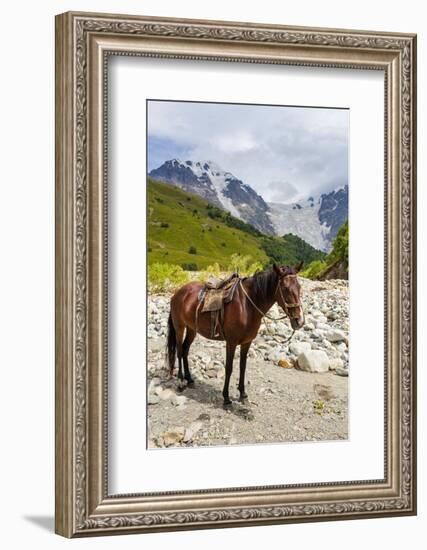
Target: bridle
{"points": [[286, 308], [285, 303]]}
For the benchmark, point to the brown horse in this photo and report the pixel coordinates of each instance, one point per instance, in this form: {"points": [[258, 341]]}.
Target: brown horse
{"points": [[253, 298]]}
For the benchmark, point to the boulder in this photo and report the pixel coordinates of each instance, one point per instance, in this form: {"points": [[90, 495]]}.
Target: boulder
{"points": [[299, 347], [313, 361]]}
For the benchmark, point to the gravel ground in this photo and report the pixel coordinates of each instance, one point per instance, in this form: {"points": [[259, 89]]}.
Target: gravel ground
{"points": [[285, 403]]}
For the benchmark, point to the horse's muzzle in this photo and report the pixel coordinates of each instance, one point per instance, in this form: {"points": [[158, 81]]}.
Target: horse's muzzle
{"points": [[297, 322]]}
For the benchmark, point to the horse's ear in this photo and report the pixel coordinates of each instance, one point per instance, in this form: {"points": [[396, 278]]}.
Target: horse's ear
{"points": [[276, 268], [299, 266]]}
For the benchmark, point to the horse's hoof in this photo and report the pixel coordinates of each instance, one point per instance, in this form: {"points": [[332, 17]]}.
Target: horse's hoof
{"points": [[227, 404], [190, 383], [243, 399]]}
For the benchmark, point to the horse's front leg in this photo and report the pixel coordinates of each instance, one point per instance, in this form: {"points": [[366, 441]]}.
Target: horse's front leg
{"points": [[244, 348], [231, 348]]}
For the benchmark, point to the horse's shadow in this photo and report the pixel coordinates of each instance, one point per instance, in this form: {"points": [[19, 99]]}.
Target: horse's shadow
{"points": [[205, 393]]}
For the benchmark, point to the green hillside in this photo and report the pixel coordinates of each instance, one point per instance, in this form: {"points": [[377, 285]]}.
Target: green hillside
{"points": [[186, 230], [180, 231]]}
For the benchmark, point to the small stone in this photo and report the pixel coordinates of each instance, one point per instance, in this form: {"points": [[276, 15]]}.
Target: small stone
{"points": [[174, 436], [285, 364], [335, 363], [335, 335], [157, 390], [341, 372]]}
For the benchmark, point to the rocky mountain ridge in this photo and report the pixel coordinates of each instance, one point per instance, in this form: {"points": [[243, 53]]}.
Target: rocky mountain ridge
{"points": [[316, 219], [219, 187]]}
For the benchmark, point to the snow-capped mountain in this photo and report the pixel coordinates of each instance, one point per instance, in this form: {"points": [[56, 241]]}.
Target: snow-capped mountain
{"points": [[221, 188], [316, 219]]}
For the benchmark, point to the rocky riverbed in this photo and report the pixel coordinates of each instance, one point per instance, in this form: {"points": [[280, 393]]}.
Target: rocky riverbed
{"points": [[297, 390]]}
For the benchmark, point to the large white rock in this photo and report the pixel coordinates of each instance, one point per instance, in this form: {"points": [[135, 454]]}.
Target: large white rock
{"points": [[299, 347], [313, 361]]}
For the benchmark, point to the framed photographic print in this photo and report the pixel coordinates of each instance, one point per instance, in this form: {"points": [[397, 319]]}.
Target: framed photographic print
{"points": [[235, 274]]}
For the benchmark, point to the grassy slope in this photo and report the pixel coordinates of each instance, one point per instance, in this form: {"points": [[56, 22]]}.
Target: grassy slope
{"points": [[171, 205]]}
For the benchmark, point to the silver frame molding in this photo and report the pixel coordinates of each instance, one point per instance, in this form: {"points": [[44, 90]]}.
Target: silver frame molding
{"points": [[83, 43]]}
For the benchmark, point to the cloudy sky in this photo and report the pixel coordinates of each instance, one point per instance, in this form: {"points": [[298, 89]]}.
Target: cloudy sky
{"points": [[284, 153]]}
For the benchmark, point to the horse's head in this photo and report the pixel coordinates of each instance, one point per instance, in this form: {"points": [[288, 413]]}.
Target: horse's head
{"points": [[288, 294]]}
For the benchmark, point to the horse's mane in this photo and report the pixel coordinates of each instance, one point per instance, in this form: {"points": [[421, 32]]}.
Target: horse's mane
{"points": [[264, 283]]}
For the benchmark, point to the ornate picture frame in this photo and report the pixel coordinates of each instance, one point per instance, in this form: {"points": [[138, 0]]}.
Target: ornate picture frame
{"points": [[83, 44]]}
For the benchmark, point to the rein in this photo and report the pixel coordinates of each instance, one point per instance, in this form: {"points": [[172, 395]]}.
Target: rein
{"points": [[264, 314]]}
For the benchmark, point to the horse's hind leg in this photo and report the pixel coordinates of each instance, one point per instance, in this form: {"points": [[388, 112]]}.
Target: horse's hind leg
{"points": [[191, 334], [179, 351]]}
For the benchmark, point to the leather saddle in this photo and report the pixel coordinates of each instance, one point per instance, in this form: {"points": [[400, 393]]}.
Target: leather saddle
{"points": [[214, 296]]}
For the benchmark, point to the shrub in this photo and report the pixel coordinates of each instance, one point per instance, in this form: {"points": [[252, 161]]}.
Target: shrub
{"points": [[340, 245], [165, 277], [192, 250], [244, 265], [339, 253], [314, 269], [211, 271]]}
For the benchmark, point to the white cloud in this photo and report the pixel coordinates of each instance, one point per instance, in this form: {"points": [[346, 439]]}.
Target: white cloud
{"points": [[284, 153]]}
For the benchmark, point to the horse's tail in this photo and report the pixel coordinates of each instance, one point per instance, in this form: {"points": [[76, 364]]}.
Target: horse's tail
{"points": [[171, 345]]}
